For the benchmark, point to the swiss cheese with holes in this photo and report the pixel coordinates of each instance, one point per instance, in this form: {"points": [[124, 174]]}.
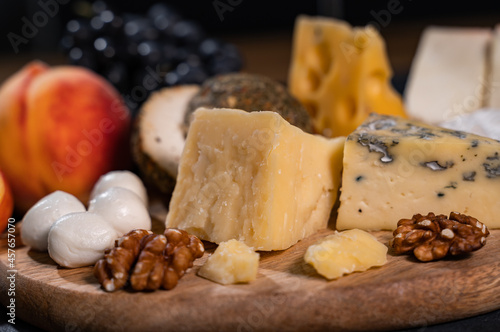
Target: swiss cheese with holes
{"points": [[341, 74]]}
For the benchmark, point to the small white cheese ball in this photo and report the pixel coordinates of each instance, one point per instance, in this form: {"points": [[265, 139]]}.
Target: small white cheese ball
{"points": [[38, 220], [122, 209], [124, 179], [79, 239]]}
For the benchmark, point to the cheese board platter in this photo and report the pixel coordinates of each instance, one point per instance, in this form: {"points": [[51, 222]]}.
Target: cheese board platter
{"points": [[277, 185], [287, 295]]}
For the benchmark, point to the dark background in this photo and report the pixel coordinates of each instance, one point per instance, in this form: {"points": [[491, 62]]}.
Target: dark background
{"points": [[246, 16]]}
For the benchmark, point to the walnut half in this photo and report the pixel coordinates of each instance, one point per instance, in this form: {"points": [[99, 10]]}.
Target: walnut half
{"points": [[433, 237], [148, 261]]}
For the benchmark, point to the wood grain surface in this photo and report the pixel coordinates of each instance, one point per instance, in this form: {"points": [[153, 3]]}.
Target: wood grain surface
{"points": [[288, 294]]}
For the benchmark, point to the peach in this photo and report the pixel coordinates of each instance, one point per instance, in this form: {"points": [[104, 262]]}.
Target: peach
{"points": [[6, 203], [61, 128]]}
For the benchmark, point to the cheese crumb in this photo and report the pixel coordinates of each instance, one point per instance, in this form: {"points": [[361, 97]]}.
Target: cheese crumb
{"points": [[345, 252], [232, 262]]}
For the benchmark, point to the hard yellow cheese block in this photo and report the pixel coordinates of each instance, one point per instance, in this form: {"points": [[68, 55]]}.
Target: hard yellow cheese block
{"points": [[394, 168], [255, 178], [346, 252], [341, 74], [232, 262]]}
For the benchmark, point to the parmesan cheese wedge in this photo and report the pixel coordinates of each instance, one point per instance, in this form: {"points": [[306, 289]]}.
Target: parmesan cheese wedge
{"points": [[255, 178]]}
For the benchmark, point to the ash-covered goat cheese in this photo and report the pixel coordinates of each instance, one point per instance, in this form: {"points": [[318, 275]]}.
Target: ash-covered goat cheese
{"points": [[394, 166]]}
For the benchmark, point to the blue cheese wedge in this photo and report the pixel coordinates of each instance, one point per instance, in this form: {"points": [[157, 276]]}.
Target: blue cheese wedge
{"points": [[394, 168]]}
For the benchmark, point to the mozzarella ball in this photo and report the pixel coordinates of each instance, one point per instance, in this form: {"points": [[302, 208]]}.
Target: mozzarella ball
{"points": [[123, 179], [38, 220], [79, 239], [122, 209]]}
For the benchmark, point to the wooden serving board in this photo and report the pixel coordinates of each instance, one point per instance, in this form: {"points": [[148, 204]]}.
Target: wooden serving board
{"points": [[287, 295]]}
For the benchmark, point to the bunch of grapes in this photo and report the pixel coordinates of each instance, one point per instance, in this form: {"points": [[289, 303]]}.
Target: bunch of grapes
{"points": [[153, 50]]}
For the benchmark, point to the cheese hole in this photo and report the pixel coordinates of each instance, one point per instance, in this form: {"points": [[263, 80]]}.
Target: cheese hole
{"points": [[319, 58], [311, 107], [347, 110], [375, 83], [324, 57], [312, 81]]}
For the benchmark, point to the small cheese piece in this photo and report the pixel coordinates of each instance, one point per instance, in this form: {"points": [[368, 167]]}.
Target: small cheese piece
{"points": [[341, 74], [232, 262], [448, 75], [255, 178], [346, 252], [394, 168]]}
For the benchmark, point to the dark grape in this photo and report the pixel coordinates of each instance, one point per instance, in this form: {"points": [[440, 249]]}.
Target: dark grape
{"points": [[82, 57], [112, 24], [209, 47], [81, 31], [99, 6], [164, 67], [75, 54], [188, 74], [97, 25], [67, 43], [187, 32], [117, 74], [227, 60], [149, 52], [139, 29], [174, 53], [139, 53], [105, 50], [163, 17], [161, 10]]}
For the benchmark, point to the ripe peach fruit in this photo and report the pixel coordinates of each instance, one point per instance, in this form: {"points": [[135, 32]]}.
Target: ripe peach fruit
{"points": [[6, 203], [61, 128]]}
